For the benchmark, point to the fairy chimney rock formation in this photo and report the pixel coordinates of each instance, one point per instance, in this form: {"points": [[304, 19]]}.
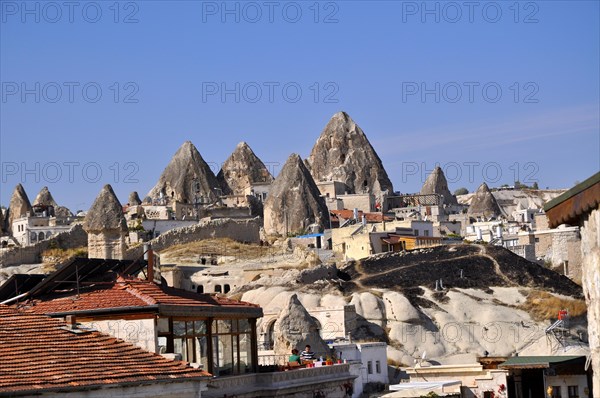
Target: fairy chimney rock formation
{"points": [[106, 226], [186, 179], [295, 328], [294, 201], [19, 206], [44, 198], [343, 153], [241, 171], [436, 184], [484, 204], [134, 199]]}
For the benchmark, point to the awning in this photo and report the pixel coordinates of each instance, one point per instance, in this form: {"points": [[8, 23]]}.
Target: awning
{"points": [[536, 362]]}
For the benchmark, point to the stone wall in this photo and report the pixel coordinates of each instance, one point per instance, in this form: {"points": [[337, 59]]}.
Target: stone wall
{"points": [[590, 251], [239, 230], [75, 237]]}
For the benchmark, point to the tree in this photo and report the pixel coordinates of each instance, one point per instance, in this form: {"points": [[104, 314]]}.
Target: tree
{"points": [[535, 185], [461, 191]]}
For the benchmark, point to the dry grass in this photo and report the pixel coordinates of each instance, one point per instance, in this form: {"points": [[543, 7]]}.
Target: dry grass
{"points": [[56, 255], [543, 305], [217, 247]]}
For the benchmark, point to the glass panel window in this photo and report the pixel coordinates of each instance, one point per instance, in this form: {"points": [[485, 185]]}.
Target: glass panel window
{"points": [[200, 327], [224, 326], [178, 328], [163, 325], [245, 353], [244, 325], [377, 367], [370, 367]]}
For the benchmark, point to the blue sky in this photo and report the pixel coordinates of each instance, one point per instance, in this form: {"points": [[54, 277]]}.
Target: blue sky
{"points": [[497, 92]]}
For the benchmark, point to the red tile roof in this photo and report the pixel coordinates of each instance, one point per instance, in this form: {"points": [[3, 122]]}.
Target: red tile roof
{"points": [[39, 355], [126, 293]]}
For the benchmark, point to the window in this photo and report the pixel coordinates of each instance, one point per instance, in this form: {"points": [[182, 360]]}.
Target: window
{"points": [[231, 347], [416, 232], [537, 240], [190, 340], [217, 288], [573, 391], [488, 394], [556, 393], [370, 367], [200, 289], [226, 288], [426, 233], [377, 366]]}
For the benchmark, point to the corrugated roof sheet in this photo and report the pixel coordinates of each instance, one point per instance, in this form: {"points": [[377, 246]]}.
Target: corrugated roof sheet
{"points": [[39, 355], [571, 205]]}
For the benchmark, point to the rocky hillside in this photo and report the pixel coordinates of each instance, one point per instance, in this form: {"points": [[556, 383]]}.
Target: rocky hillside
{"points": [[496, 306]]}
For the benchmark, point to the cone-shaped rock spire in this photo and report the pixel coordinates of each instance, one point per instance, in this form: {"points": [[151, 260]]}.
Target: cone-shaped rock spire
{"points": [[483, 203], [296, 329], [19, 206], [436, 184], [187, 178], [343, 153], [294, 201], [106, 213], [242, 170], [134, 199]]}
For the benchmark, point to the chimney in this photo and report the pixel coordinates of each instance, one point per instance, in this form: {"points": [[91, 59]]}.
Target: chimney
{"points": [[149, 257], [71, 322]]}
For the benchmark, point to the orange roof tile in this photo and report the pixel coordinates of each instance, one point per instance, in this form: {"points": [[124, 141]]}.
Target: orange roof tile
{"points": [[39, 355], [125, 293]]}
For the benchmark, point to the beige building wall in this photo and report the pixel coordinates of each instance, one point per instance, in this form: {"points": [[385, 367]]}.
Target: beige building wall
{"points": [[364, 202]]}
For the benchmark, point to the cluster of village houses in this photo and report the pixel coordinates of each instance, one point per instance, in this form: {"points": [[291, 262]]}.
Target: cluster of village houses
{"points": [[183, 314]]}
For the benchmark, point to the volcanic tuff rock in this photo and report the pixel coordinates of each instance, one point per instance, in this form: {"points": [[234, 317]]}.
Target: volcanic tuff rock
{"points": [[186, 178], [19, 205], [2, 226], [134, 199], [241, 170], [295, 329], [343, 153], [294, 201], [484, 204], [436, 183], [44, 198], [106, 213]]}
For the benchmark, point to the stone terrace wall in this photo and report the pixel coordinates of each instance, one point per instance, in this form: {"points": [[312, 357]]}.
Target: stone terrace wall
{"points": [[239, 230], [75, 237]]}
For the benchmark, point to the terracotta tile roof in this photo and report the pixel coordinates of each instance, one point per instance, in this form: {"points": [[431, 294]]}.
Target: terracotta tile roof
{"points": [[39, 355], [126, 293]]}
